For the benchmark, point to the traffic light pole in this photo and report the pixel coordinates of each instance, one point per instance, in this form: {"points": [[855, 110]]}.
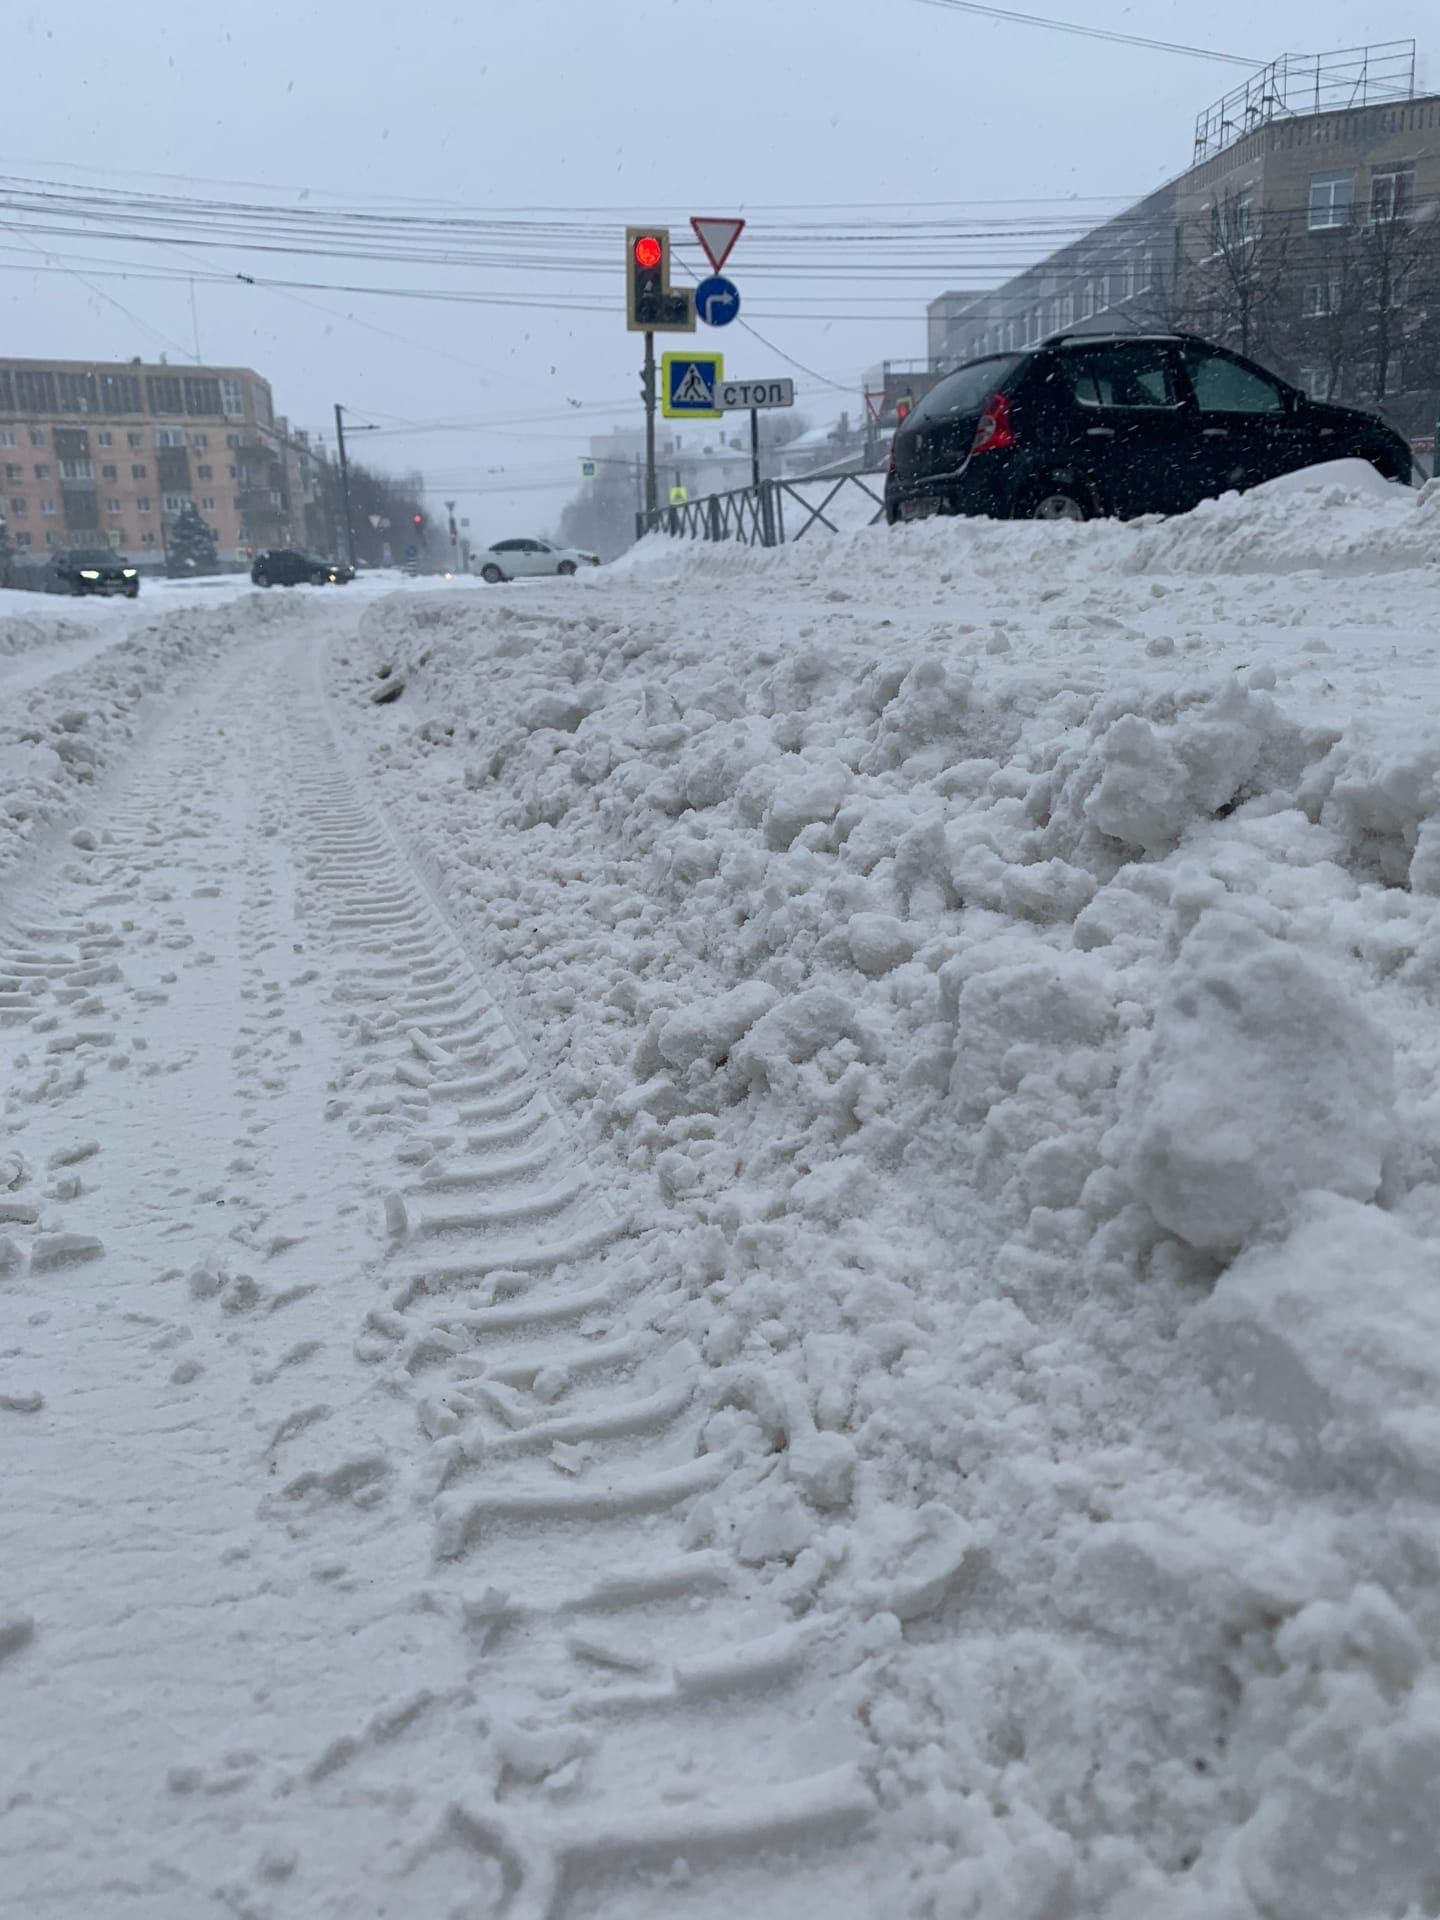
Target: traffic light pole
{"points": [[344, 481], [652, 491]]}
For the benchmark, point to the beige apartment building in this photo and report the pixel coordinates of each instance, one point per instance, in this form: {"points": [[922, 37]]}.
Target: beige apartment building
{"points": [[108, 453]]}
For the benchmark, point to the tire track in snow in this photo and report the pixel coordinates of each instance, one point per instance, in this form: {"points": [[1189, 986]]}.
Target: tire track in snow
{"points": [[565, 1441], [564, 1709]]}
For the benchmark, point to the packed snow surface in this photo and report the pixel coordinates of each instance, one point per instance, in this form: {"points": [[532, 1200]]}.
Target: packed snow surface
{"points": [[758, 1234]]}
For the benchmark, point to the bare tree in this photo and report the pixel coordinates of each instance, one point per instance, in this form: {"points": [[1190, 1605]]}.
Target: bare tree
{"points": [[1239, 287], [1399, 257]]}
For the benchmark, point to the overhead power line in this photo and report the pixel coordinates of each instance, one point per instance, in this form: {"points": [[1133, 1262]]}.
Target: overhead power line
{"points": [[1013, 18]]}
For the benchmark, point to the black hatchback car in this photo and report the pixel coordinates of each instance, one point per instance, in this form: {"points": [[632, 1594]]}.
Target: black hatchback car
{"points": [[93, 570], [1091, 424], [291, 567]]}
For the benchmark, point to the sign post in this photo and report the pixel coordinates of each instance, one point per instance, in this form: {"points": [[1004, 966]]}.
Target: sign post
{"points": [[753, 397]]}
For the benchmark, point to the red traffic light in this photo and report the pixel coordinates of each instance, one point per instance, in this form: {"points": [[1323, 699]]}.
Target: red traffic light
{"points": [[418, 518], [648, 252]]}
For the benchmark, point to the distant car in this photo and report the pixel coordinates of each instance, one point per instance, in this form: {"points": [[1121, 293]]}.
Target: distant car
{"points": [[1115, 424], [523, 559], [93, 570], [293, 567]]}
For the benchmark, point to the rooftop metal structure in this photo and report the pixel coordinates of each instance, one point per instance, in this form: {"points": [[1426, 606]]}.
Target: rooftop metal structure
{"points": [[1304, 83]]}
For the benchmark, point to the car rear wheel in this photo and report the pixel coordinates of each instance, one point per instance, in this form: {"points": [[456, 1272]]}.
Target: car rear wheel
{"points": [[566, 567], [1056, 503], [491, 574], [262, 579]]}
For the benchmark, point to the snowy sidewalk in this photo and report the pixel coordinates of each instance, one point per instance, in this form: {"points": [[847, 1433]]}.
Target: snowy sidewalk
{"points": [[341, 1566]]}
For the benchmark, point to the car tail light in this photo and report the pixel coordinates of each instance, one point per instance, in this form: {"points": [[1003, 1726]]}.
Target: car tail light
{"points": [[994, 428]]}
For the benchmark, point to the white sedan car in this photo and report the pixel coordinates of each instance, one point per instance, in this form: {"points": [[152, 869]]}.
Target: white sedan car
{"points": [[524, 559]]}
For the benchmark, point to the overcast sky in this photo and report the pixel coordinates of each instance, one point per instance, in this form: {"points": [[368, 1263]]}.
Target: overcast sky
{"points": [[793, 114]]}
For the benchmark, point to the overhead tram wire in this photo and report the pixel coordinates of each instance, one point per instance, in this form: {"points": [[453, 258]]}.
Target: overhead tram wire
{"points": [[1113, 34]]}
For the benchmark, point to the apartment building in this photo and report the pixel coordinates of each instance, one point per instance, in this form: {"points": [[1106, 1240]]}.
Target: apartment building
{"points": [[1306, 232], [108, 453]]}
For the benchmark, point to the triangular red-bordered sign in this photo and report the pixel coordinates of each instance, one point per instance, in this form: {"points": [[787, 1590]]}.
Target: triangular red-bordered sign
{"points": [[717, 237]]}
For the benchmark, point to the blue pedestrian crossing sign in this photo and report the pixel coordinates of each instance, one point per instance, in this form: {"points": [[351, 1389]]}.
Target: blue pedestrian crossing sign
{"points": [[687, 385], [717, 300], [588, 469]]}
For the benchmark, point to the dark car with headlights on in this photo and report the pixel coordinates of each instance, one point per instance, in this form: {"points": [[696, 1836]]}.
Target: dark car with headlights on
{"points": [[293, 567], [1125, 424], [93, 570]]}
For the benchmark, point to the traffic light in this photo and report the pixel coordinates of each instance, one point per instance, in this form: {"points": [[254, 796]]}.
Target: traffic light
{"points": [[419, 519], [650, 304]]}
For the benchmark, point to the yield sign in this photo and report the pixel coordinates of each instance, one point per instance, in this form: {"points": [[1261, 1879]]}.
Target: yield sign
{"points": [[717, 237]]}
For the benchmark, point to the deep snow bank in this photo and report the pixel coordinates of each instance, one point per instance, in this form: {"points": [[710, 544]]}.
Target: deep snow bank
{"points": [[1024, 1062]]}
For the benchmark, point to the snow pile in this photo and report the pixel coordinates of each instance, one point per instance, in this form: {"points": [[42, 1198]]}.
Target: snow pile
{"points": [[59, 734], [1340, 518], [1023, 1066]]}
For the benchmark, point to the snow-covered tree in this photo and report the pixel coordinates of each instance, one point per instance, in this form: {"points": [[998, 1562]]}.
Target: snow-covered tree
{"points": [[191, 545]]}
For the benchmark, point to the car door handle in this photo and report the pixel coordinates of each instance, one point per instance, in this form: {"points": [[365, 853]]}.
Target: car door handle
{"points": [[1101, 433], [1216, 433]]}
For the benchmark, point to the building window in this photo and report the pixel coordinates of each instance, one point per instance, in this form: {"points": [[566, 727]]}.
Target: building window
{"points": [[208, 503], [165, 392], [1324, 296], [147, 539], [1147, 271], [169, 437], [116, 538], [1331, 197], [37, 436], [22, 539], [109, 473], [232, 400], [35, 393], [239, 504], [19, 508], [105, 439], [76, 470], [176, 502], [202, 396], [42, 472], [1392, 193], [205, 473], [233, 472], [112, 506], [77, 392], [200, 441], [47, 506], [142, 505], [139, 471], [133, 440], [52, 539], [14, 471], [7, 436], [119, 393]]}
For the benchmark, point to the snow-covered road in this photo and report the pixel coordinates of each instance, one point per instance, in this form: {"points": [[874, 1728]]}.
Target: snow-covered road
{"points": [[773, 1246], [321, 1578]]}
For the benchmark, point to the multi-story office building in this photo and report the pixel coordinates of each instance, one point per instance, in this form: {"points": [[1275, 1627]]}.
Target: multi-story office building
{"points": [[107, 454]]}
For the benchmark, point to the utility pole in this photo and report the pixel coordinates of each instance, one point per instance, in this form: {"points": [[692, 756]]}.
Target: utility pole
{"points": [[652, 492], [344, 481], [755, 447]]}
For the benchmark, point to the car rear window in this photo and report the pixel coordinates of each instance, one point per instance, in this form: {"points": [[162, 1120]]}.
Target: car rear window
{"points": [[966, 391]]}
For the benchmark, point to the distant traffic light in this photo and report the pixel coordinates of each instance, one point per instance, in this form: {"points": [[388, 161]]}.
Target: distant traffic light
{"points": [[650, 304], [419, 519]]}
